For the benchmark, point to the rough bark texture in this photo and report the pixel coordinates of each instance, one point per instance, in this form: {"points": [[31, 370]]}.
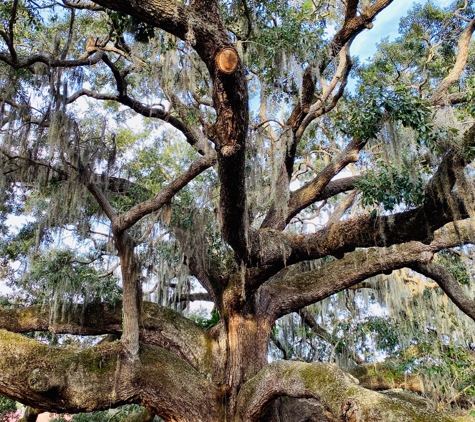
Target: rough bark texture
{"points": [[170, 365]]}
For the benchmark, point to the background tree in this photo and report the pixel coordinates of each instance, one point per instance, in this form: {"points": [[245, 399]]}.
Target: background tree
{"points": [[161, 152]]}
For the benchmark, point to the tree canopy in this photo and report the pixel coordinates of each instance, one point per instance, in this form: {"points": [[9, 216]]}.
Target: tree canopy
{"points": [[156, 153]]}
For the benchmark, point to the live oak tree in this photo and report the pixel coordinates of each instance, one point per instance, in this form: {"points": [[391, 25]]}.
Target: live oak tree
{"points": [[227, 183]]}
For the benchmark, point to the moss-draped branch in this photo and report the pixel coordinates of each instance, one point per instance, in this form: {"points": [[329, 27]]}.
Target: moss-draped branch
{"points": [[78, 380], [340, 394], [159, 326]]}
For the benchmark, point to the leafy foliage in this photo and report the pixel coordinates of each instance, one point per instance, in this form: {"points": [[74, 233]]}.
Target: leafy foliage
{"points": [[390, 186], [66, 128], [375, 105], [453, 262]]}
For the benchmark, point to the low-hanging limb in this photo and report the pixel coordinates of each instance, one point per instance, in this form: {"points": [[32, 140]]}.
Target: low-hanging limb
{"points": [[98, 378], [159, 326], [340, 393]]}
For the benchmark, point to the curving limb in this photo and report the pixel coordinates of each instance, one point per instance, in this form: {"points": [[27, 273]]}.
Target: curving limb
{"points": [[159, 326], [449, 284], [77, 380], [50, 61], [439, 97], [289, 294], [348, 403], [293, 293], [314, 190], [128, 219], [441, 205]]}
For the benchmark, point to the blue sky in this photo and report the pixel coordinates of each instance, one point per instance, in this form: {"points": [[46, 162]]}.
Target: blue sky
{"points": [[386, 24]]}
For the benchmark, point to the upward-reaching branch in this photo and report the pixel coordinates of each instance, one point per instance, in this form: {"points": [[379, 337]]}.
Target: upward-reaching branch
{"points": [[307, 109], [439, 97], [153, 204]]}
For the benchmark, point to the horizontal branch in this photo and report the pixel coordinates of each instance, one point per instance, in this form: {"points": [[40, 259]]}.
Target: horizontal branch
{"points": [[146, 111], [380, 376], [441, 206], [68, 380], [159, 326], [206, 297], [291, 294], [83, 6], [50, 61], [340, 393]]}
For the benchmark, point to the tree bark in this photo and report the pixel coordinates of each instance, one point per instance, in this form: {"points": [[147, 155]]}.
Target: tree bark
{"points": [[73, 380]]}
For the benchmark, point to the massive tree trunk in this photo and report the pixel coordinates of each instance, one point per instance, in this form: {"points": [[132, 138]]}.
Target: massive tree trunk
{"points": [[175, 368], [65, 380]]}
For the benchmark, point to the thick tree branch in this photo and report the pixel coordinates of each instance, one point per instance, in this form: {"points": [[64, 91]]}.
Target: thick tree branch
{"points": [[299, 121], [103, 202], [312, 191], [380, 376], [345, 400], [304, 112], [351, 9], [193, 138], [83, 380], [196, 296], [342, 207], [356, 24], [289, 294], [441, 205], [159, 326], [77, 4]]}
